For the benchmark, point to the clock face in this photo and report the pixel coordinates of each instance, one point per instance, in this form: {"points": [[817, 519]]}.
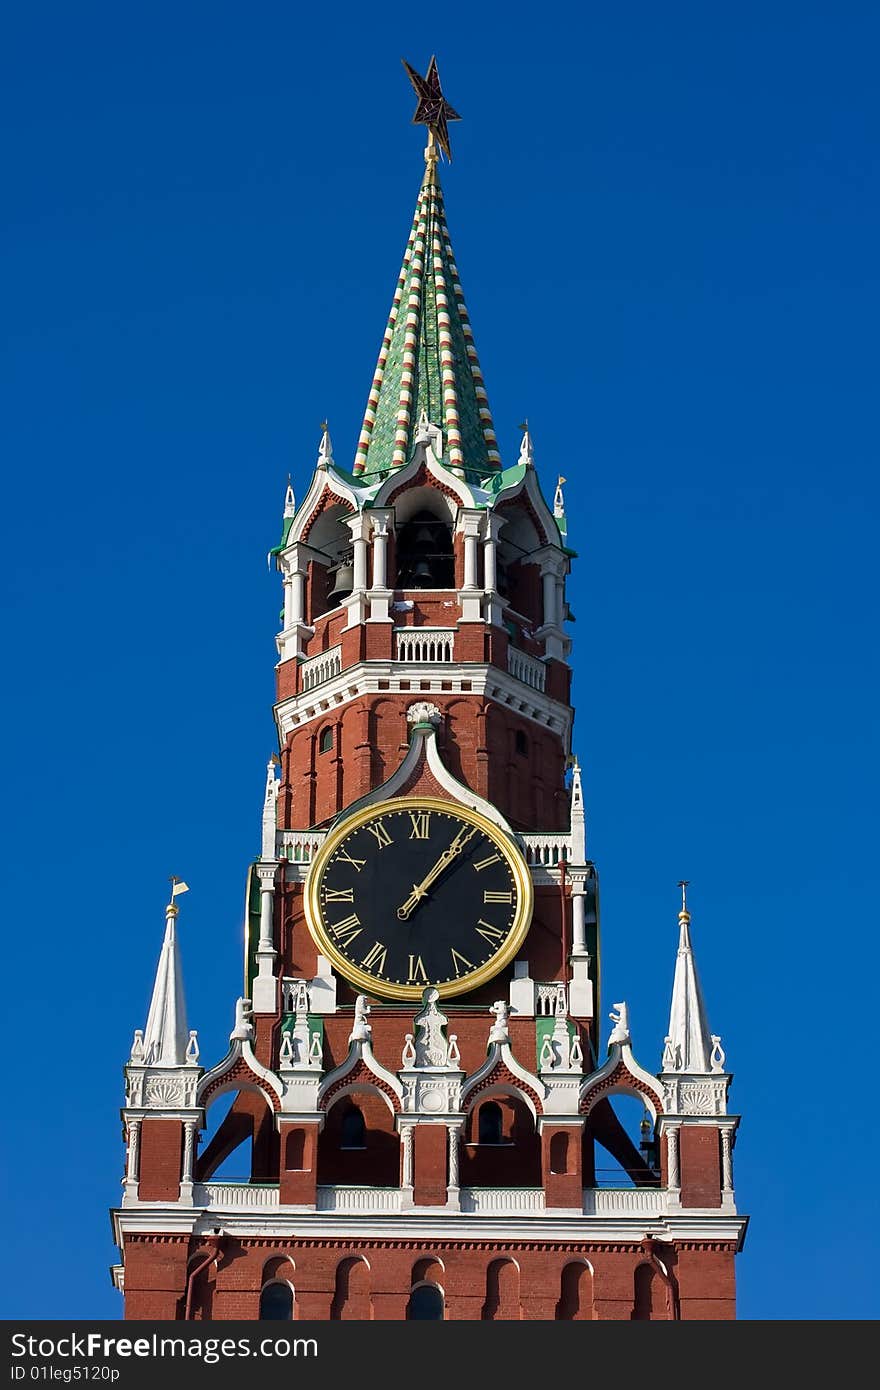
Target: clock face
{"points": [[416, 892]]}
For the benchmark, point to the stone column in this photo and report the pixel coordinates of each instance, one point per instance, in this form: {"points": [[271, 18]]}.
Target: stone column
{"points": [[453, 1197], [380, 594], [291, 640], [264, 987], [578, 919], [406, 1171], [490, 569], [469, 525], [673, 1171], [356, 603], [548, 581], [726, 1164], [132, 1172], [189, 1149]]}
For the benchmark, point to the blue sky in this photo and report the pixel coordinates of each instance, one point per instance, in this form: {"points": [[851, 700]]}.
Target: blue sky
{"points": [[666, 220]]}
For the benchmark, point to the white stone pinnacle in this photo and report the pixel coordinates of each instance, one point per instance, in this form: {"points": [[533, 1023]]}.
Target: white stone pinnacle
{"points": [[689, 1043], [166, 1036]]}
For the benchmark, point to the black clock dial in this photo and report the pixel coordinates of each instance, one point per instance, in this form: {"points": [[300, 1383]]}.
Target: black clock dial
{"points": [[416, 893]]}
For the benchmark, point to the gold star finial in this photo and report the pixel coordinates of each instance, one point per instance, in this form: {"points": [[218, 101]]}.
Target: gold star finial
{"points": [[433, 109]]}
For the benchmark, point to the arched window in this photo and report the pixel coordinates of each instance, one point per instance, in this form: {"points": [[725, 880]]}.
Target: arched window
{"points": [[490, 1127], [522, 744], [559, 1153], [325, 742], [353, 1131], [276, 1303], [425, 1304]]}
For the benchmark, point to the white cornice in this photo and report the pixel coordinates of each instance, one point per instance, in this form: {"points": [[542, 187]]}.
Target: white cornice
{"points": [[386, 677], [425, 1224]]}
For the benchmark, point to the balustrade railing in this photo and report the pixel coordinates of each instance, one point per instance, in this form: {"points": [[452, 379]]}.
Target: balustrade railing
{"points": [[527, 669], [548, 848], [298, 846], [427, 645], [320, 668]]}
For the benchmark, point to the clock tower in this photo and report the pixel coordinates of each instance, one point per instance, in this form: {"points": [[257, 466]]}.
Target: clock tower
{"points": [[422, 1102]]}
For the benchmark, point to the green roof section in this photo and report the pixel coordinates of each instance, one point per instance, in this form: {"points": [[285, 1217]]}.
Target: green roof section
{"points": [[428, 368]]}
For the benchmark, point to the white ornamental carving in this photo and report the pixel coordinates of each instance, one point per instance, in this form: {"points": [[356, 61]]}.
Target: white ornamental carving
{"points": [[423, 713], [164, 1091]]}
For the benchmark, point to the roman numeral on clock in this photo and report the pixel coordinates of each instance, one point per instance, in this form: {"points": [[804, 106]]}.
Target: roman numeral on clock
{"points": [[339, 895], [375, 958], [421, 825], [480, 864], [380, 834], [347, 859], [417, 973], [498, 897], [488, 932], [460, 963], [346, 930]]}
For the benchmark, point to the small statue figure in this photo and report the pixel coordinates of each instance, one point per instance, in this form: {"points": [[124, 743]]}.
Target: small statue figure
{"points": [[361, 1030], [499, 1032], [244, 1029], [620, 1018], [431, 1047]]}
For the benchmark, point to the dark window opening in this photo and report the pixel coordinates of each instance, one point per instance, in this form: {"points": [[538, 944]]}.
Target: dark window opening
{"points": [[425, 558], [276, 1303], [325, 742], [490, 1128], [353, 1132], [425, 1304], [522, 743]]}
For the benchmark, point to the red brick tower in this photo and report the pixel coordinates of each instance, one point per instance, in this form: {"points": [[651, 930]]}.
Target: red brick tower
{"points": [[416, 1069]]}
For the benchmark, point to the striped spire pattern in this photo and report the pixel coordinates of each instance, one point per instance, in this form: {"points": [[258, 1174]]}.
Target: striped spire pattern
{"points": [[428, 362]]}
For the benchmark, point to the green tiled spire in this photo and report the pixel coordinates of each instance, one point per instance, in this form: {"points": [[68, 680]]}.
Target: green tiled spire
{"points": [[428, 363]]}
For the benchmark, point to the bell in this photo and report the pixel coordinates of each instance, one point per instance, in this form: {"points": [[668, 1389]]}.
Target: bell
{"points": [[424, 536], [343, 583], [422, 575]]}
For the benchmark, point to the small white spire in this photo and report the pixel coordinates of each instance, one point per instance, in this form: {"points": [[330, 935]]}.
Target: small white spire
{"points": [[166, 1036], [526, 452], [289, 500], [577, 816], [325, 449], [688, 1042], [558, 499]]}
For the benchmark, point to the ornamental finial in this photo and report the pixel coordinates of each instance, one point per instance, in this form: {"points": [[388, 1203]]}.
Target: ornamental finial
{"points": [[433, 110], [684, 884]]}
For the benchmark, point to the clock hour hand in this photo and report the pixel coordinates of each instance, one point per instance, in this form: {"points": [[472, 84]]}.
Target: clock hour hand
{"points": [[420, 890]]}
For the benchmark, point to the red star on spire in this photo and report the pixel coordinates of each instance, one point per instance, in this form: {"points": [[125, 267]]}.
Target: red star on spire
{"points": [[433, 109]]}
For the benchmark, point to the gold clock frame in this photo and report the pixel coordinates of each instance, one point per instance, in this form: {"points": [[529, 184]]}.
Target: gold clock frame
{"points": [[370, 984]]}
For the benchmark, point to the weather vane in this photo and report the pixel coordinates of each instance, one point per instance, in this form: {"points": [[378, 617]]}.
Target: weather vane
{"points": [[433, 109]]}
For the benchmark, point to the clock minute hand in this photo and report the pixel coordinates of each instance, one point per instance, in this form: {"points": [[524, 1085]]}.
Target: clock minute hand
{"points": [[420, 889]]}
